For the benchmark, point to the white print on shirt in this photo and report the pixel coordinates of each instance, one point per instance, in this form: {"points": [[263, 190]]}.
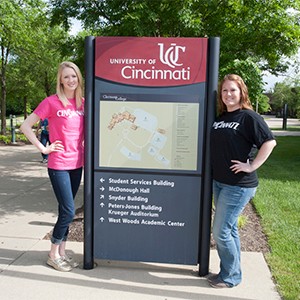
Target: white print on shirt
{"points": [[69, 113], [222, 124]]}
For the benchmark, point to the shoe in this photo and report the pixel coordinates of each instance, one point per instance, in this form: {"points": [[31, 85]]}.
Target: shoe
{"points": [[68, 259], [45, 160], [212, 276], [218, 283], [59, 264]]}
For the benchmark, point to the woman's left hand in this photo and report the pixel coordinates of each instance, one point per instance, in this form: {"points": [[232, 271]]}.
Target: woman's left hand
{"points": [[239, 166]]}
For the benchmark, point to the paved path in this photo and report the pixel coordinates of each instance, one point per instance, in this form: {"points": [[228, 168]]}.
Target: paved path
{"points": [[277, 124], [27, 214]]}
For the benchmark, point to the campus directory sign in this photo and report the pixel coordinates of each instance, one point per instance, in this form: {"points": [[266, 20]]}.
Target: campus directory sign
{"points": [[146, 139]]}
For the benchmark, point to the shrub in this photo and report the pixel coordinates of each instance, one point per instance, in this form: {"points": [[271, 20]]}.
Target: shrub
{"points": [[6, 139]]}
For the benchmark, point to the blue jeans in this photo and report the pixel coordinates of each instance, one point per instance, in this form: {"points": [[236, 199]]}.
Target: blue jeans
{"points": [[229, 203], [65, 185]]}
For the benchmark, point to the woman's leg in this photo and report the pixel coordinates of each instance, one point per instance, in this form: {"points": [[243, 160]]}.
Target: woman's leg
{"points": [[44, 140], [230, 203], [62, 248], [75, 177], [65, 185], [54, 251]]}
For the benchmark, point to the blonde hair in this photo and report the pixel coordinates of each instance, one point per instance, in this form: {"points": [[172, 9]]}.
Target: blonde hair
{"points": [[60, 89], [244, 101]]}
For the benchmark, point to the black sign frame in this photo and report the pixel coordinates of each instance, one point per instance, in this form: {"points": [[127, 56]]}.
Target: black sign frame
{"points": [[205, 171]]}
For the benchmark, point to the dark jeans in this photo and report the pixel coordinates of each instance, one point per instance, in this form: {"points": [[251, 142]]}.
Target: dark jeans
{"points": [[65, 185], [44, 141]]}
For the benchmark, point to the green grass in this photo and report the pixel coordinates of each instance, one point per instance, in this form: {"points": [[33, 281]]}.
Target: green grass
{"points": [[289, 128], [278, 203]]}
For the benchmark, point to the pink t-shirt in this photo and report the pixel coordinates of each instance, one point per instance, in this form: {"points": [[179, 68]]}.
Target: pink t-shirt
{"points": [[66, 124]]}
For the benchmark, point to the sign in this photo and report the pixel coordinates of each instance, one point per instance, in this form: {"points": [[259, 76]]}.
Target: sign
{"points": [[151, 61], [146, 131], [146, 218]]}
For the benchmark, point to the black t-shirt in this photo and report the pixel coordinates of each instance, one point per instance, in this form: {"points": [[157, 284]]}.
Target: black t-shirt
{"points": [[236, 136]]}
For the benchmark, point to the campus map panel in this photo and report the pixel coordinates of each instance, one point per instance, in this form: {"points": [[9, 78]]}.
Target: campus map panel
{"points": [[150, 135]]}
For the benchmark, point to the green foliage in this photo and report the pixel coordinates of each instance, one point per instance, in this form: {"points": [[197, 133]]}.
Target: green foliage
{"points": [[35, 78], [277, 202], [242, 221], [31, 52], [287, 93], [21, 138], [254, 34], [262, 30], [263, 104], [131, 18], [33, 45], [77, 44], [5, 139], [28, 108], [19, 20]]}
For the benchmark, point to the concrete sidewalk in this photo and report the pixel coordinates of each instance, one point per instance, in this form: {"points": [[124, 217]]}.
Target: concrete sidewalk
{"points": [[28, 213], [277, 123]]}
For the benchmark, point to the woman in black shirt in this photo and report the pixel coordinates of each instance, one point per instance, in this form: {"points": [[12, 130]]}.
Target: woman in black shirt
{"points": [[241, 142]]}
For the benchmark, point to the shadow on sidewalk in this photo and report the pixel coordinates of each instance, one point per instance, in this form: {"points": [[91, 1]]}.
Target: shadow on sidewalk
{"points": [[119, 277]]}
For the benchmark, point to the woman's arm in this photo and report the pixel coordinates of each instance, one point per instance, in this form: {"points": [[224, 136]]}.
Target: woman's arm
{"points": [[262, 155], [26, 128]]}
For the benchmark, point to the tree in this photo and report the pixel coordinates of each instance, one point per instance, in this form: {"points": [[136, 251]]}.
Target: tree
{"points": [[286, 93], [260, 29], [31, 52], [36, 73], [16, 23], [254, 33]]}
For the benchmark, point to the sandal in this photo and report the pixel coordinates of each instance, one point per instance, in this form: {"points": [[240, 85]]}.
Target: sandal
{"points": [[59, 264], [68, 259]]}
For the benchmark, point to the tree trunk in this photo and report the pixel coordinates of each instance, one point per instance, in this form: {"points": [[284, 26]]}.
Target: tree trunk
{"points": [[3, 104], [25, 107], [4, 57]]}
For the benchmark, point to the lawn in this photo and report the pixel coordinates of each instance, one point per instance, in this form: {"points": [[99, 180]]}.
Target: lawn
{"points": [[278, 203]]}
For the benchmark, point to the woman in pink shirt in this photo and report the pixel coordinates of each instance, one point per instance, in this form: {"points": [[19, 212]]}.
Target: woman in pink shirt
{"points": [[65, 113]]}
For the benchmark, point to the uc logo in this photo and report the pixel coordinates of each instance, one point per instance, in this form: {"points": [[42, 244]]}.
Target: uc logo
{"points": [[171, 55]]}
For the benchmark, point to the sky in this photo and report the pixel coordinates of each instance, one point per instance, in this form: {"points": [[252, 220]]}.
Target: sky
{"points": [[270, 81], [76, 26], [291, 73]]}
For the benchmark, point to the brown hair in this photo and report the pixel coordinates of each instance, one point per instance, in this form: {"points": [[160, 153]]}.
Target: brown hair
{"points": [[244, 101]]}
